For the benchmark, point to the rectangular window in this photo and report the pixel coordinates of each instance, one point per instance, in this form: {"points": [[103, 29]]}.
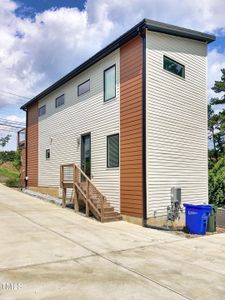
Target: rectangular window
{"points": [[42, 110], [113, 151], [47, 154], [59, 100], [173, 66], [83, 88], [110, 83]]}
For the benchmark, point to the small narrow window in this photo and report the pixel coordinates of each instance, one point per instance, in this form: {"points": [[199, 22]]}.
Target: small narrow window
{"points": [[113, 151], [47, 154], [42, 110], [173, 66], [59, 100], [110, 83], [83, 88]]}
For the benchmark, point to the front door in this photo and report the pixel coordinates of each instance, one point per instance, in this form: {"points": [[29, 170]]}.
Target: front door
{"points": [[86, 154]]}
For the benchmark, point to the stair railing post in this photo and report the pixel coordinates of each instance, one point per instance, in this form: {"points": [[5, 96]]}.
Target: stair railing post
{"points": [[74, 173], [61, 176], [64, 197], [62, 186], [102, 207], [75, 193], [87, 198]]}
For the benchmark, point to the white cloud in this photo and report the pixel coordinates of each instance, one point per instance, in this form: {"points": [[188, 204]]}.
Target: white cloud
{"points": [[34, 53]]}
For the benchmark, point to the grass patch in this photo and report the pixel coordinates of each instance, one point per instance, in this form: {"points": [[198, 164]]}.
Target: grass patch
{"points": [[6, 174]]}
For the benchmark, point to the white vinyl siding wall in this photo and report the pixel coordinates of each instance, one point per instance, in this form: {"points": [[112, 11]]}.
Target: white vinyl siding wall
{"points": [[60, 128], [176, 122]]}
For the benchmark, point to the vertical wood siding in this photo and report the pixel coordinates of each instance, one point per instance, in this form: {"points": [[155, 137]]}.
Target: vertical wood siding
{"points": [[32, 144], [131, 186], [176, 122]]}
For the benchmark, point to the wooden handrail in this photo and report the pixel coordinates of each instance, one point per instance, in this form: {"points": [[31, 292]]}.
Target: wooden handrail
{"points": [[76, 181], [88, 179]]}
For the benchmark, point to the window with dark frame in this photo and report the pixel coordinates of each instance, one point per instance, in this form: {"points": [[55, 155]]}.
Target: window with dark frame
{"points": [[173, 66], [113, 151], [83, 87], [110, 83], [47, 154], [60, 100], [42, 110]]}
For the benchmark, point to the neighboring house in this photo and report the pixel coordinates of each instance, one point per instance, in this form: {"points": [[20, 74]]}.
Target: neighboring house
{"points": [[133, 116]]}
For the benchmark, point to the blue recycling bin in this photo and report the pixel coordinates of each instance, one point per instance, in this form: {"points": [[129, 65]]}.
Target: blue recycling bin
{"points": [[197, 218]]}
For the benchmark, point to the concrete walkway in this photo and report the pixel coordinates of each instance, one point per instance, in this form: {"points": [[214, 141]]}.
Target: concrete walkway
{"points": [[52, 253]]}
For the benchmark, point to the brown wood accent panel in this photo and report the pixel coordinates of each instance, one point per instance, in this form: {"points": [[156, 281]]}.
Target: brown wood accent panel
{"points": [[32, 145], [131, 151]]}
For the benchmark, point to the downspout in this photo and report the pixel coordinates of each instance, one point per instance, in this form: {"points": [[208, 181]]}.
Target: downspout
{"points": [[142, 32], [26, 147]]}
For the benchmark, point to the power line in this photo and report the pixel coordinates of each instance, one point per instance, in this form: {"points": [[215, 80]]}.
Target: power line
{"points": [[8, 130], [11, 126], [11, 123], [13, 94]]}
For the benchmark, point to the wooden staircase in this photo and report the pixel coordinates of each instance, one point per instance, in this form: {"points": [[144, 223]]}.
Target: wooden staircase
{"points": [[72, 177]]}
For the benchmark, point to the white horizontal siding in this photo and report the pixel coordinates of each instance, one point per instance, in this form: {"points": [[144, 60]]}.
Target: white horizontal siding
{"points": [[60, 128], [176, 114]]}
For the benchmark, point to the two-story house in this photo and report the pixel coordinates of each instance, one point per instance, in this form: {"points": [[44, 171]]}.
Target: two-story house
{"points": [[133, 117]]}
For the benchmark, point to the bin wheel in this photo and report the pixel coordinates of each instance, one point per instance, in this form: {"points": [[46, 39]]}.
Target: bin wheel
{"points": [[186, 230]]}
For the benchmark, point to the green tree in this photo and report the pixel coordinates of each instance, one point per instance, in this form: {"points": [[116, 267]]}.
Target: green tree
{"points": [[219, 88], [216, 129], [216, 122], [5, 140]]}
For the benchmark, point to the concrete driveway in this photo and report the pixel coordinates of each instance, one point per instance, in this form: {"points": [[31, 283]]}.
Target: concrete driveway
{"points": [[52, 253]]}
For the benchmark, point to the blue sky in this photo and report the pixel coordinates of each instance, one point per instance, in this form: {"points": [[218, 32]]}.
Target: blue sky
{"points": [[42, 40], [32, 7]]}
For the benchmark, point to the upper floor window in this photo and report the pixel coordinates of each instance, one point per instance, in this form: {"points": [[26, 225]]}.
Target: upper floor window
{"points": [[59, 100], [83, 87], [173, 66], [42, 110], [110, 83], [113, 151]]}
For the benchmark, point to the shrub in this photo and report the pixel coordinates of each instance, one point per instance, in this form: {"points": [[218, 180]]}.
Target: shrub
{"points": [[13, 182], [7, 156], [217, 183]]}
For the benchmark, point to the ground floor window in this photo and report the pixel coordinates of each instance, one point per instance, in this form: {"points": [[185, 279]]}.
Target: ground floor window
{"points": [[113, 151], [47, 154]]}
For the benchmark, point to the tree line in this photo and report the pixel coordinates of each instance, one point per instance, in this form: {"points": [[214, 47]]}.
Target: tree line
{"points": [[216, 130]]}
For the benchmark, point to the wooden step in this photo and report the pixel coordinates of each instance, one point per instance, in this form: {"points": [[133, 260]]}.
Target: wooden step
{"points": [[107, 209], [112, 219], [95, 197], [110, 214]]}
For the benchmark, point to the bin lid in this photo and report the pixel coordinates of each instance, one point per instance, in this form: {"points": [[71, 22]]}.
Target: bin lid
{"points": [[198, 206]]}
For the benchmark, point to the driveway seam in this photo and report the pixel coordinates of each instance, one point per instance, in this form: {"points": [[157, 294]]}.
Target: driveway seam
{"points": [[45, 263]]}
